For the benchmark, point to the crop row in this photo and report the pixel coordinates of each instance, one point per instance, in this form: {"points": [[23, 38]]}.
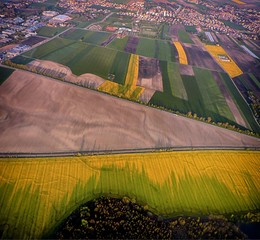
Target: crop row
{"points": [[37, 194]]}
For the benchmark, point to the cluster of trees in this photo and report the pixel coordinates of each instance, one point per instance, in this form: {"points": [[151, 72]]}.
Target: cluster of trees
{"points": [[123, 218]]}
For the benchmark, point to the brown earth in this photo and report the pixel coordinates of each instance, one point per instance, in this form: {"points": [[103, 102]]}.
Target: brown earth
{"points": [[131, 44], [186, 70], [198, 56], [149, 75], [46, 115], [57, 70]]}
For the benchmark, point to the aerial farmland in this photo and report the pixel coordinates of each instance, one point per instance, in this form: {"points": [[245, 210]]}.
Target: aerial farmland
{"points": [[129, 119]]}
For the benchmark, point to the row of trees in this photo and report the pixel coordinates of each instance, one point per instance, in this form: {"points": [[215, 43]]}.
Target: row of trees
{"points": [[189, 114]]}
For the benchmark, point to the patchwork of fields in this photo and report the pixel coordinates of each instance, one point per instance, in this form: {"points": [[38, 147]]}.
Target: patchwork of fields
{"points": [[227, 62], [84, 58], [39, 193], [208, 93], [72, 118]]}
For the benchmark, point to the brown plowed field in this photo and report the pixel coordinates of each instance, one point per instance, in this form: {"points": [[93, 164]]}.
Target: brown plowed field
{"points": [[241, 58], [45, 115], [197, 56], [131, 44], [149, 75]]}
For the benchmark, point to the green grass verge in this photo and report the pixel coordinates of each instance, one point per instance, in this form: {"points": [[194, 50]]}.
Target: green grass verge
{"points": [[5, 73]]}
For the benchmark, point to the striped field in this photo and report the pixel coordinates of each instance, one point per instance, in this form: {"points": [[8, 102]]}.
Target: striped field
{"points": [[129, 89], [37, 194]]}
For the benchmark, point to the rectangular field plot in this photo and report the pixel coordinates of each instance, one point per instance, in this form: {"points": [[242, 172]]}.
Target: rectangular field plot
{"points": [[84, 58], [87, 36], [184, 36], [160, 49], [5, 73], [38, 194], [118, 44], [50, 31], [224, 60], [197, 93]]}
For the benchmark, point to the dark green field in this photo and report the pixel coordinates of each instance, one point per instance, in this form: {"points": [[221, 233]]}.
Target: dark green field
{"points": [[5, 73], [160, 49], [50, 31], [198, 94], [118, 43], [184, 37], [84, 58], [87, 36]]}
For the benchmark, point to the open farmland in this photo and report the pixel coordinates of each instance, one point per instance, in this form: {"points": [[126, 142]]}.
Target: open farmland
{"points": [[203, 92], [129, 89], [197, 56], [244, 61], [184, 37], [83, 58], [160, 49], [181, 53], [119, 44], [171, 184], [50, 31], [31, 106], [228, 63], [87, 36], [5, 73]]}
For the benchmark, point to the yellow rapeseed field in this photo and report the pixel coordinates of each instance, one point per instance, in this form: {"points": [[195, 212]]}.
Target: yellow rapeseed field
{"points": [[238, 2], [38, 193], [129, 89], [230, 67], [182, 55]]}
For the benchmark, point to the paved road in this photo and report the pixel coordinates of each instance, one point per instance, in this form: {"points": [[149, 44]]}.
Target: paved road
{"points": [[104, 19]]}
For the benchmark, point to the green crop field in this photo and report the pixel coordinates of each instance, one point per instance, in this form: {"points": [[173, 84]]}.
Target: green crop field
{"points": [[5, 73], [184, 37], [20, 59], [38, 193], [118, 43], [176, 83], [198, 94], [159, 49], [244, 108], [209, 88], [50, 31], [87, 36], [84, 58]]}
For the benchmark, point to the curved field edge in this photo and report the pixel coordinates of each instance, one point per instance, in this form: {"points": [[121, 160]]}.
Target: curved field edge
{"points": [[38, 193]]}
